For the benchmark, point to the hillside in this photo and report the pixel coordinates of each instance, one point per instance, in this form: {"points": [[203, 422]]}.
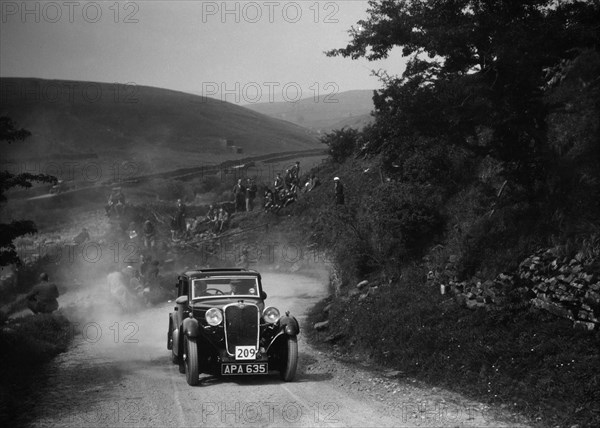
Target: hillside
{"points": [[159, 128], [449, 270], [325, 113], [357, 122]]}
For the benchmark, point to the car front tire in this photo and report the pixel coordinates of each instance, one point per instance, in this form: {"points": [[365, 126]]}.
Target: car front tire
{"points": [[191, 361], [170, 336], [290, 360], [174, 358]]}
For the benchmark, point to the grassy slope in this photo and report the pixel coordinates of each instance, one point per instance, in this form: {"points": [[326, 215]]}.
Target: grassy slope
{"points": [[67, 117], [527, 361], [530, 362], [357, 122]]}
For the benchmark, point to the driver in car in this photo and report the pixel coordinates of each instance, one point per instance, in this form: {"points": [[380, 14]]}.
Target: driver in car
{"points": [[240, 288]]}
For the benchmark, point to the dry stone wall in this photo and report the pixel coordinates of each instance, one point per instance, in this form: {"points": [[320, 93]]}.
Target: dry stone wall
{"points": [[566, 287]]}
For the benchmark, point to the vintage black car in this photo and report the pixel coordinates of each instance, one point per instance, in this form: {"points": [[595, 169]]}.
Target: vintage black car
{"points": [[221, 326]]}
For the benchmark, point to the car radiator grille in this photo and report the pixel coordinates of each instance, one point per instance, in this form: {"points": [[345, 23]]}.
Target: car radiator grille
{"points": [[241, 326]]}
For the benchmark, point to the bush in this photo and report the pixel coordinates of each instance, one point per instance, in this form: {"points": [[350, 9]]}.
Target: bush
{"points": [[381, 229], [342, 143], [34, 340], [171, 190], [404, 219], [208, 184], [27, 344]]}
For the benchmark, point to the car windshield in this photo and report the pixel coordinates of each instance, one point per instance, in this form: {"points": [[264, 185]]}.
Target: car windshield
{"points": [[224, 286]]}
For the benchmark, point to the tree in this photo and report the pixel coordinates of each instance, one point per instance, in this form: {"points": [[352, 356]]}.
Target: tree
{"points": [[474, 65], [9, 231], [480, 88], [341, 143]]}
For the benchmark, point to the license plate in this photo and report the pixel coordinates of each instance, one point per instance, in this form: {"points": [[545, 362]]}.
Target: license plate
{"points": [[245, 353], [244, 368]]}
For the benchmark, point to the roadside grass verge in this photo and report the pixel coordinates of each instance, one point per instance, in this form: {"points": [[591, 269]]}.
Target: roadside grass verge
{"points": [[33, 340], [524, 361], [27, 344]]}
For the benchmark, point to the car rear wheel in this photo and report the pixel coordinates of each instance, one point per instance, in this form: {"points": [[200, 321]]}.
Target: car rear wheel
{"points": [[290, 359], [191, 361]]}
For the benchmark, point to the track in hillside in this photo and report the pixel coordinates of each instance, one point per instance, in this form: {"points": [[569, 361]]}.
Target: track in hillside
{"points": [[189, 173]]}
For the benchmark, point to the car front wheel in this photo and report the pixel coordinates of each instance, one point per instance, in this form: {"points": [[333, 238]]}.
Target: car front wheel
{"points": [[290, 360], [170, 336], [191, 361], [174, 357]]}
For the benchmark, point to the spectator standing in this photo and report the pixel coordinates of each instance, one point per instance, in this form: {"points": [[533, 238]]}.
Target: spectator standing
{"points": [[146, 262], [149, 232], [339, 191], [296, 173], [239, 192], [180, 217], [288, 180], [251, 190]]}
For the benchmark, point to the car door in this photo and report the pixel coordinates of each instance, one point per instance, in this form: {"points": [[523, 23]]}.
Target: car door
{"points": [[180, 310]]}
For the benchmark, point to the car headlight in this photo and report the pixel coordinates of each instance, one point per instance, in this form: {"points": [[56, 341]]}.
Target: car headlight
{"points": [[271, 315], [214, 316]]}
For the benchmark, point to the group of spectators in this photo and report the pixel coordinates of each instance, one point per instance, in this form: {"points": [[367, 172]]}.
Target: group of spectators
{"points": [[286, 189], [216, 219], [42, 298], [291, 180], [244, 195]]}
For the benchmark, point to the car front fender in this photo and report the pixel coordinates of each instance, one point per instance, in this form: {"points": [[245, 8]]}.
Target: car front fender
{"points": [[191, 328], [289, 325]]}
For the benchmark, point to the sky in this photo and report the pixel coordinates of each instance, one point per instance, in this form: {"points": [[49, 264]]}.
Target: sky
{"points": [[238, 51]]}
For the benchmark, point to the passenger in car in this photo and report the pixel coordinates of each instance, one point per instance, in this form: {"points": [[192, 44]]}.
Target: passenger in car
{"points": [[199, 288]]}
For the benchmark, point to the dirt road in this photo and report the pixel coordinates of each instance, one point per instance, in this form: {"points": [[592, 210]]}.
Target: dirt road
{"points": [[119, 374]]}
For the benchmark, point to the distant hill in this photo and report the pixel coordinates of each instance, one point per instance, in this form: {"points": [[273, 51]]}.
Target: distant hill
{"points": [[165, 129], [325, 113]]}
